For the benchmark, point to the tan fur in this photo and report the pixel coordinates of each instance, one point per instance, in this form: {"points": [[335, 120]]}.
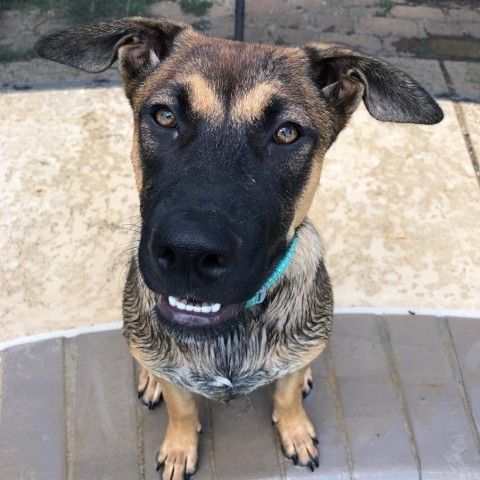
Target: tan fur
{"points": [[306, 199], [179, 450], [252, 103], [203, 98], [295, 429], [136, 160], [149, 388]]}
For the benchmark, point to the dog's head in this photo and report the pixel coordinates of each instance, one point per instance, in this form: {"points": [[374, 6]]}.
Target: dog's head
{"points": [[228, 147]]}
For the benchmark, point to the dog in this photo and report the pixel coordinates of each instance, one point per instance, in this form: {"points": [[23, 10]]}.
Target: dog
{"points": [[228, 289]]}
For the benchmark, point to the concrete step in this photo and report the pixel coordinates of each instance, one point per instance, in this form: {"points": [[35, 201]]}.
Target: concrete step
{"points": [[395, 397]]}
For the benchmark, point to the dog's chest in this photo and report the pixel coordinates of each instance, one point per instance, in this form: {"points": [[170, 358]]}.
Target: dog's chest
{"points": [[226, 369]]}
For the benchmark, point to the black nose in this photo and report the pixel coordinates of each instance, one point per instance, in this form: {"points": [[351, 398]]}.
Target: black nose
{"points": [[194, 247]]}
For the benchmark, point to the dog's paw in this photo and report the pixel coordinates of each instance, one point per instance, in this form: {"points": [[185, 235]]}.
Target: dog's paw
{"points": [[178, 454], [307, 383], [298, 439], [149, 389]]}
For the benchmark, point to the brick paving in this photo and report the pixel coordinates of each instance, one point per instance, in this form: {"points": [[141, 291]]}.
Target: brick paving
{"points": [[378, 27], [444, 29]]}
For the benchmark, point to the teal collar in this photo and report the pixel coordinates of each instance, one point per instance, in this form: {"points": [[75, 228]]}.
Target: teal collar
{"points": [[259, 297]]}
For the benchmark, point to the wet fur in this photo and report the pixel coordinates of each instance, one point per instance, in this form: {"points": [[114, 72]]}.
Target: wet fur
{"points": [[281, 335]]}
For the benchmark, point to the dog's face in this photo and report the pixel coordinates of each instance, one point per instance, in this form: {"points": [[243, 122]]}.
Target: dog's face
{"points": [[228, 148]]}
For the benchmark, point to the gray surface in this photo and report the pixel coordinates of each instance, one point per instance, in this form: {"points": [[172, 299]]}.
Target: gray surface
{"points": [[393, 396], [373, 415], [32, 419], [442, 432], [104, 417]]}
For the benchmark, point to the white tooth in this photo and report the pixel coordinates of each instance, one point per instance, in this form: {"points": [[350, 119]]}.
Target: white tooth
{"points": [[197, 308], [180, 305], [206, 309], [172, 301], [189, 308], [216, 307]]}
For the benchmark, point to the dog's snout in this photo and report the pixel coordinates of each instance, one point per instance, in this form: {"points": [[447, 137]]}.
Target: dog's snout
{"points": [[194, 249]]}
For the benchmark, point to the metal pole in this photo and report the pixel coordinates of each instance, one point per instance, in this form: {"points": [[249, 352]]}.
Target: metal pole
{"points": [[239, 19]]}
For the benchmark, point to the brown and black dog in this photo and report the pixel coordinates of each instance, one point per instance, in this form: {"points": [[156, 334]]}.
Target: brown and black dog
{"points": [[228, 290]]}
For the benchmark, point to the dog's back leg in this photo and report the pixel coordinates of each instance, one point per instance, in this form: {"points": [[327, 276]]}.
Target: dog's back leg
{"points": [[297, 435], [307, 382], [178, 453], [149, 389]]}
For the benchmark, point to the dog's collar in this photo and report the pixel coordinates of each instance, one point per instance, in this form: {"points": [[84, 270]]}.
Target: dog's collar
{"points": [[259, 297]]}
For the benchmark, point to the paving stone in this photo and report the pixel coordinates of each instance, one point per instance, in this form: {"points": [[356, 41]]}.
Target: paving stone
{"points": [[222, 27], [244, 427], [442, 433], [320, 406], [388, 26], [364, 43], [433, 27], [362, 3], [32, 416], [104, 414], [417, 12], [257, 34], [371, 11], [323, 5], [465, 14], [290, 36], [426, 72], [277, 19], [254, 6], [167, 9], [464, 76], [334, 23], [466, 337], [373, 413], [472, 29]]}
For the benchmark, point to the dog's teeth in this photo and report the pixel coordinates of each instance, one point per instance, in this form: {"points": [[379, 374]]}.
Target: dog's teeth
{"points": [[190, 306], [180, 305]]}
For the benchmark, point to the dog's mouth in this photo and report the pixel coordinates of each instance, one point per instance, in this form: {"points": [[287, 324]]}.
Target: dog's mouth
{"points": [[193, 313]]}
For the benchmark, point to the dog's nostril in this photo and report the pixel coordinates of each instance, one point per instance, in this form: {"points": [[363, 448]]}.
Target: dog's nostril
{"points": [[213, 264], [214, 261], [165, 256]]}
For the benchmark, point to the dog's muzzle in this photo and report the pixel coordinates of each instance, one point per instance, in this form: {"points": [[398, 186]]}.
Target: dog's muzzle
{"points": [[200, 266]]}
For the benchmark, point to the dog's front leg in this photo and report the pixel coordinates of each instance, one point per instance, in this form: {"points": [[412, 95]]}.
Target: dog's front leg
{"points": [[179, 451], [297, 435]]}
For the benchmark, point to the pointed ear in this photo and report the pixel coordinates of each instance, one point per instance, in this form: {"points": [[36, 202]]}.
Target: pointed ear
{"points": [[94, 48], [344, 77]]}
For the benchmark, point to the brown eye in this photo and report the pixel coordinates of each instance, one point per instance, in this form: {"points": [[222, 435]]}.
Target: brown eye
{"points": [[286, 134], [165, 118]]}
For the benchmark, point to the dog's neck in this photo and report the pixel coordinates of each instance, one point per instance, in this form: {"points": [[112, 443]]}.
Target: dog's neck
{"points": [[282, 265]]}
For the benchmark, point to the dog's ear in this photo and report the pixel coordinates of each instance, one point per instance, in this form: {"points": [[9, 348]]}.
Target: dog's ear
{"points": [[344, 77], [142, 42]]}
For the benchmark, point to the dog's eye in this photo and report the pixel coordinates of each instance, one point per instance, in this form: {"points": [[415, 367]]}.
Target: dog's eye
{"points": [[286, 134], [165, 118]]}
